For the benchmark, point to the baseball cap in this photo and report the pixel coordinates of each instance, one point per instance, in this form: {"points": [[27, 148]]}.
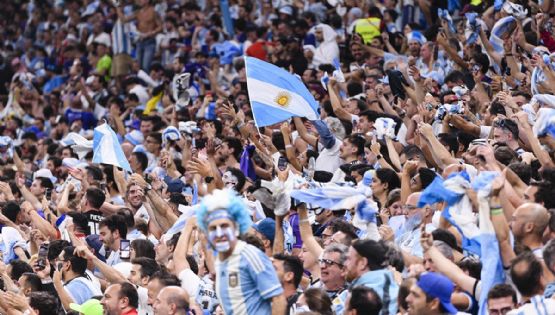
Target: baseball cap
{"points": [[90, 307], [266, 227], [438, 286]]}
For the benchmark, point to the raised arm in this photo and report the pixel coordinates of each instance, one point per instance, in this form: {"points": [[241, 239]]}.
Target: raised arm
{"points": [[446, 266], [183, 246], [339, 111], [308, 238], [303, 133], [289, 148], [440, 153]]}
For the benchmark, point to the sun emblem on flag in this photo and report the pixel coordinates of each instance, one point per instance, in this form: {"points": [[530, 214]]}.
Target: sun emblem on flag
{"points": [[283, 98]]}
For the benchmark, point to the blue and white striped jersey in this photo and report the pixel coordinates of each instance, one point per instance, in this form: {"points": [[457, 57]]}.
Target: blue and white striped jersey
{"points": [[246, 282]]}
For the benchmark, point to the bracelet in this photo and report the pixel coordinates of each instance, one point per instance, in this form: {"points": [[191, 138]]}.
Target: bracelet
{"points": [[289, 146], [496, 211], [495, 207]]}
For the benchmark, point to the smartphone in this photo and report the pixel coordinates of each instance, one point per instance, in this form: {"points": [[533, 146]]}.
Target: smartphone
{"points": [[282, 163], [48, 194], [124, 249], [103, 186], [42, 256]]}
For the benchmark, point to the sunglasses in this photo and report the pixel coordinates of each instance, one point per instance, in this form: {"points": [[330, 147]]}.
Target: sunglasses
{"points": [[329, 262], [317, 211]]}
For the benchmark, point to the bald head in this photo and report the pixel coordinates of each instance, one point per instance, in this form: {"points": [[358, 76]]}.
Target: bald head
{"points": [[536, 214], [171, 300], [127, 149], [413, 198]]}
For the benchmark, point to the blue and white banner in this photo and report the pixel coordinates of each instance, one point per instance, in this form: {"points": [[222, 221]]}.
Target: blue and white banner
{"points": [[276, 95], [107, 149]]}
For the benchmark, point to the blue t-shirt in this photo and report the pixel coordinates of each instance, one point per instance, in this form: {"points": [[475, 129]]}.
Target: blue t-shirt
{"points": [[81, 289], [246, 282], [86, 118]]}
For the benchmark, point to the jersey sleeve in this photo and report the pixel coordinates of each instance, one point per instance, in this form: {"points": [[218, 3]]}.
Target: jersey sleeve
{"points": [[263, 272]]}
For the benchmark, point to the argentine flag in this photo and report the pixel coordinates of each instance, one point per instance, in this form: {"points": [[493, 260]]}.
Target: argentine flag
{"points": [[276, 95], [107, 149]]}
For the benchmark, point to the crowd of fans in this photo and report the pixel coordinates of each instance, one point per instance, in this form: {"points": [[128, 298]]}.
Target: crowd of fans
{"points": [[418, 101]]}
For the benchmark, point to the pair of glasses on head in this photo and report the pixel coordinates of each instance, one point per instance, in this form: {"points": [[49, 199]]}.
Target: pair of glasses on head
{"points": [[329, 262]]}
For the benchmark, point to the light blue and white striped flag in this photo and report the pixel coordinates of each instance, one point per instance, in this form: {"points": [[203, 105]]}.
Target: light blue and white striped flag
{"points": [[478, 240], [492, 267], [107, 149], [276, 95]]}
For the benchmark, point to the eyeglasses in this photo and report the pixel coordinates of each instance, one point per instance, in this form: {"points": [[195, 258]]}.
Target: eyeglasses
{"points": [[329, 262]]}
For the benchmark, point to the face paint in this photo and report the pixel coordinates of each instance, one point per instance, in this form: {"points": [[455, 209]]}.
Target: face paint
{"points": [[222, 246], [229, 180]]}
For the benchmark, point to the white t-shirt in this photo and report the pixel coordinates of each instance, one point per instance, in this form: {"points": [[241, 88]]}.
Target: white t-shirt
{"points": [[204, 294], [328, 159], [144, 308]]}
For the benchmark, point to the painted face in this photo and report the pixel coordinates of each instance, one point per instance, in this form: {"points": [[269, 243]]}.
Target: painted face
{"points": [[221, 234], [230, 180]]}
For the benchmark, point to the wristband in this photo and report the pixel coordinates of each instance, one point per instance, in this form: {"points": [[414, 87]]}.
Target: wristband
{"points": [[496, 211]]}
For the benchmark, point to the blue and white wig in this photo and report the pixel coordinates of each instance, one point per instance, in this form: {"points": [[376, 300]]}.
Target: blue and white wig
{"points": [[224, 204]]}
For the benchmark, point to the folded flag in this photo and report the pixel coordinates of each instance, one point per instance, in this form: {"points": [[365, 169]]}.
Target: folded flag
{"points": [[472, 31], [417, 37], [385, 127], [246, 163], [333, 197], [7, 142], [276, 95], [436, 192], [502, 30], [338, 74], [545, 99], [444, 15], [458, 211], [107, 149], [545, 123], [78, 144], [492, 269], [515, 10]]}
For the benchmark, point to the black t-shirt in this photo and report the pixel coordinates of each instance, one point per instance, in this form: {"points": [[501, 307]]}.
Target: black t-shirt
{"points": [[93, 219]]}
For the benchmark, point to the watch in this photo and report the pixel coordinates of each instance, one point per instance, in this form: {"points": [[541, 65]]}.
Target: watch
{"points": [[208, 179], [379, 156], [148, 187]]}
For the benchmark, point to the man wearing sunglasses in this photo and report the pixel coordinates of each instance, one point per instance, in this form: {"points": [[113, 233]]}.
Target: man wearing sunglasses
{"points": [[506, 131], [332, 269], [323, 219]]}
